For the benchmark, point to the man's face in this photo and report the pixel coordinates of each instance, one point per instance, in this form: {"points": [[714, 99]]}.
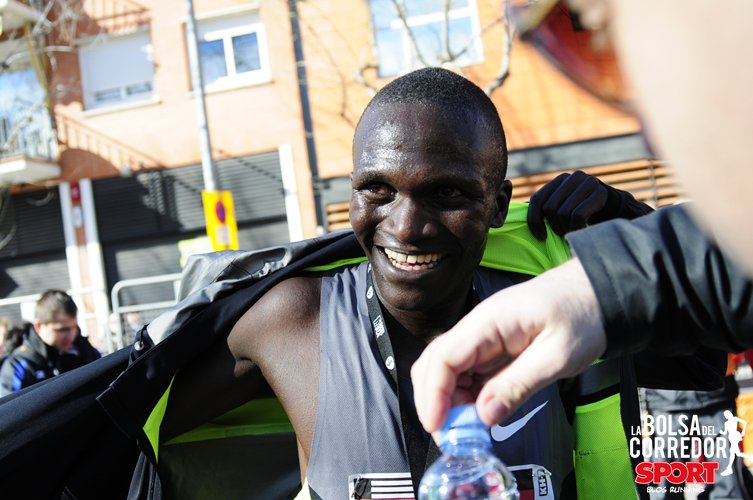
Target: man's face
{"points": [[423, 202], [60, 332]]}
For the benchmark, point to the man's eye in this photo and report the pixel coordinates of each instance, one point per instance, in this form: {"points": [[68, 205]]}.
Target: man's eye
{"points": [[378, 189], [449, 192]]}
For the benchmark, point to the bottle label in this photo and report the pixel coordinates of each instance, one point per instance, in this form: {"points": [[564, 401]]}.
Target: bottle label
{"points": [[534, 482], [393, 485]]}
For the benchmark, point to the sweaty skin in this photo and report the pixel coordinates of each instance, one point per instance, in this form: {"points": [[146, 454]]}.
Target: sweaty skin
{"points": [[423, 200]]}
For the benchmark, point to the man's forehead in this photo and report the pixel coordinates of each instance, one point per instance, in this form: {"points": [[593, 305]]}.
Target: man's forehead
{"points": [[408, 113], [375, 153], [61, 319], [403, 128]]}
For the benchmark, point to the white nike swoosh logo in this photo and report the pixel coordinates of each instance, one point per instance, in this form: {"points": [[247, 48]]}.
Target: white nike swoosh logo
{"points": [[503, 432]]}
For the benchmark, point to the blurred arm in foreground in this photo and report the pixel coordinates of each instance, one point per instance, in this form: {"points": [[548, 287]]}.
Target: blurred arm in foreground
{"points": [[658, 282], [555, 325]]}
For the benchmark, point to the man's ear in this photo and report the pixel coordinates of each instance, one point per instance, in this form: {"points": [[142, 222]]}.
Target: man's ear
{"points": [[504, 194], [37, 325]]}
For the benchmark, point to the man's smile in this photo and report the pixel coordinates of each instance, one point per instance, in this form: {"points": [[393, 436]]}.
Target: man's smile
{"points": [[412, 262]]}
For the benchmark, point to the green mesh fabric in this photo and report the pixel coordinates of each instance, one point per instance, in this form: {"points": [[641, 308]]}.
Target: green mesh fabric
{"points": [[601, 458], [260, 416], [513, 247]]}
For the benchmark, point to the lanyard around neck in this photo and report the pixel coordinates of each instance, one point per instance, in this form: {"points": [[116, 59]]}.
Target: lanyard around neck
{"points": [[419, 457], [379, 327]]}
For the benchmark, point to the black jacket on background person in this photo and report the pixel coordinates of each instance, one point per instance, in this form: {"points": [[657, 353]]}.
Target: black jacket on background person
{"points": [[29, 363], [80, 353], [662, 284], [34, 361]]}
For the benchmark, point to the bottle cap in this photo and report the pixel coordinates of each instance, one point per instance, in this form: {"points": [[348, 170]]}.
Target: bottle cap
{"points": [[463, 422]]}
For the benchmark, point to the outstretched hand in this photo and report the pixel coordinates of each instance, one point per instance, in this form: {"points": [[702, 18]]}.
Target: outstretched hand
{"points": [[570, 201], [510, 346]]}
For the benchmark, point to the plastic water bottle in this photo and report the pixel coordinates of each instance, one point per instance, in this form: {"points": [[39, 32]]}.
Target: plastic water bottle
{"points": [[467, 469]]}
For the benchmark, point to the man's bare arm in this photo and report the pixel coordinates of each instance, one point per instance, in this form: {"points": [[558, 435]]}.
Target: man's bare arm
{"points": [[208, 387], [274, 336]]}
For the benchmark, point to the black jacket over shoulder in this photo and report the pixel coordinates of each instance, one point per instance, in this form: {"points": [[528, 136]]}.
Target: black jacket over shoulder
{"points": [[79, 435], [664, 285]]}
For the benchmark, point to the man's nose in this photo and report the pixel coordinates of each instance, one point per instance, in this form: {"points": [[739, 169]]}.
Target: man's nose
{"points": [[410, 221]]}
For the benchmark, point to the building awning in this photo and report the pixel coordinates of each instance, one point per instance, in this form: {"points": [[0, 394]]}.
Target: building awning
{"points": [[22, 170], [15, 14]]}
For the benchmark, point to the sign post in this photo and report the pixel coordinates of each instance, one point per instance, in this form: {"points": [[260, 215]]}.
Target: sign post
{"points": [[218, 205]]}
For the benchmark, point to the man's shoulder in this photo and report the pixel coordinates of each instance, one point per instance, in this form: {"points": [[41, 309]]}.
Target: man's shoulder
{"points": [[296, 290], [291, 306], [306, 288], [282, 318], [24, 351], [294, 300]]}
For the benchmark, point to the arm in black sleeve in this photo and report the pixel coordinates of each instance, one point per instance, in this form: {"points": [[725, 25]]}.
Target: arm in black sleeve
{"points": [[702, 371], [571, 201], [662, 284], [620, 205]]}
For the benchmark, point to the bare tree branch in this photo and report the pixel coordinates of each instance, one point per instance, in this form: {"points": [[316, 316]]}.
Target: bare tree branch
{"points": [[504, 66], [361, 78], [44, 50], [5, 201], [369, 65], [446, 33], [8, 237], [448, 57], [332, 64], [19, 125], [480, 34], [403, 16], [41, 26]]}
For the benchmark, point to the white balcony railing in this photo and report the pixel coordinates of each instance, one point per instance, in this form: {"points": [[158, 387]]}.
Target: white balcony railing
{"points": [[34, 139]]}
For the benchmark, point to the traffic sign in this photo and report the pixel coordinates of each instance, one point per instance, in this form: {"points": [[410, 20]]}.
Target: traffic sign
{"points": [[219, 213]]}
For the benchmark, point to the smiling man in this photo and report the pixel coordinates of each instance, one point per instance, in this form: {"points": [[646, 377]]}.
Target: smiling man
{"points": [[336, 345]]}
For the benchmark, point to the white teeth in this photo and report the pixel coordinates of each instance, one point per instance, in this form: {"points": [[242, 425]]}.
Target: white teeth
{"points": [[413, 262]]}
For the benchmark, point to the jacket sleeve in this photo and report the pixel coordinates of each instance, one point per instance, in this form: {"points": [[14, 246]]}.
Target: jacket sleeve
{"points": [[15, 375], [702, 371], [662, 284]]}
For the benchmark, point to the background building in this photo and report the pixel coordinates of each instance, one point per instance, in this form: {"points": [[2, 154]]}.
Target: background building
{"points": [[100, 155]]}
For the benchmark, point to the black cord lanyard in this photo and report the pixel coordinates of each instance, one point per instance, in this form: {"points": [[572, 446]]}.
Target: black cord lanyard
{"points": [[419, 457]]}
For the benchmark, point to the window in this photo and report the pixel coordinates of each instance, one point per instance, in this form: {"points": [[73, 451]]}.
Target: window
{"points": [[426, 20], [118, 70], [233, 51], [25, 125]]}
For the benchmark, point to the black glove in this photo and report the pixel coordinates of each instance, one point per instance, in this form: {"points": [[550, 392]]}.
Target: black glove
{"points": [[570, 201]]}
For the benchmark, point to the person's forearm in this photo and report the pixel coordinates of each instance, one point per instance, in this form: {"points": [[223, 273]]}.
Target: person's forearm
{"points": [[663, 284]]}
